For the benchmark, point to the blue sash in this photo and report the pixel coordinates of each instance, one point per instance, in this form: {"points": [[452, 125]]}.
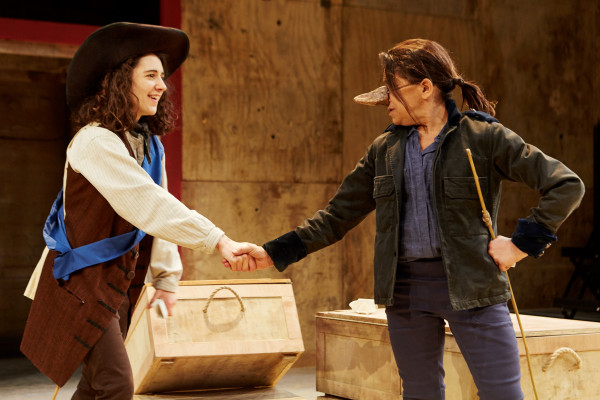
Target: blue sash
{"points": [[70, 260]]}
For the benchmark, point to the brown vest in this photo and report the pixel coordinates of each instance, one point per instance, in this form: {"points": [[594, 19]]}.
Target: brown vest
{"points": [[67, 318]]}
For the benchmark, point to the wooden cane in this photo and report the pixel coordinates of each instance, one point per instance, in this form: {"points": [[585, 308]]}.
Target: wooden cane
{"points": [[55, 392], [488, 221]]}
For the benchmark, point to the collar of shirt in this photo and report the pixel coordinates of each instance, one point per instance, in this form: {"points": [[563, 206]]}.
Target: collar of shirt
{"points": [[413, 137]]}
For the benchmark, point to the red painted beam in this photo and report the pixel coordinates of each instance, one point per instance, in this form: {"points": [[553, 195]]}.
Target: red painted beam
{"points": [[170, 15], [47, 32]]}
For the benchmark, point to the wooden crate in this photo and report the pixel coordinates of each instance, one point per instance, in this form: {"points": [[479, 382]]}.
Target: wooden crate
{"points": [[354, 356], [355, 360], [224, 334], [565, 355]]}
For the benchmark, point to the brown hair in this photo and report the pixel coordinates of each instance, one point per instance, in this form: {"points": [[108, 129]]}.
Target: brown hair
{"points": [[418, 59], [112, 104]]}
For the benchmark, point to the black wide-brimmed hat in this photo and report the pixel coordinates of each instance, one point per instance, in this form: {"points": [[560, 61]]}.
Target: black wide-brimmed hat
{"points": [[111, 45]]}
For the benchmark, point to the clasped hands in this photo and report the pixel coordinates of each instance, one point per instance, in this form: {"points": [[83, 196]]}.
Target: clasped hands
{"points": [[243, 256], [236, 256]]}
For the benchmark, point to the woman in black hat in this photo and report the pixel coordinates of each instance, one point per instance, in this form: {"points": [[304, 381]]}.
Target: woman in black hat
{"points": [[113, 220], [434, 257]]}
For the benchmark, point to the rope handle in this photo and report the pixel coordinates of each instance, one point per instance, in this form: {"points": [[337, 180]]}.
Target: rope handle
{"points": [[237, 296], [558, 353]]}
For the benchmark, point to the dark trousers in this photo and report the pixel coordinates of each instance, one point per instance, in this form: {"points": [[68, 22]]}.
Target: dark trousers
{"points": [[106, 372], [484, 335]]}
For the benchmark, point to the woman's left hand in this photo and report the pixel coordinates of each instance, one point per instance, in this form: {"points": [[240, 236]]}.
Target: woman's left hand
{"points": [[505, 253], [169, 298]]}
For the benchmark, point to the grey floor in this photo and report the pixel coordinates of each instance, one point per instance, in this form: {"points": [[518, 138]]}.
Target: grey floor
{"points": [[20, 380]]}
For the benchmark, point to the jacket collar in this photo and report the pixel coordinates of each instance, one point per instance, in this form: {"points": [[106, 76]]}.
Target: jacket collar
{"points": [[454, 114]]}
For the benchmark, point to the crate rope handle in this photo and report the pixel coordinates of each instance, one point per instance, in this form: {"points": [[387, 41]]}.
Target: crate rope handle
{"points": [[237, 296], [558, 353], [488, 221]]}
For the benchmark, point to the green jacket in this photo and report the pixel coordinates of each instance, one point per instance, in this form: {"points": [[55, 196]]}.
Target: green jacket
{"points": [[376, 183]]}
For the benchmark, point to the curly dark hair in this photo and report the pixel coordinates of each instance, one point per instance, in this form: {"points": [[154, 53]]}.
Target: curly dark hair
{"points": [[112, 104]]}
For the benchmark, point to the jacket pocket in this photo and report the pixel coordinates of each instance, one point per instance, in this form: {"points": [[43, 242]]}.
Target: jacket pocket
{"points": [[463, 208], [64, 286], [464, 188], [383, 186], [384, 193]]}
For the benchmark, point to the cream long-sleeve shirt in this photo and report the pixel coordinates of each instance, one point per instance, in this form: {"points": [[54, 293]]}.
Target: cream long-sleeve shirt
{"points": [[100, 156]]}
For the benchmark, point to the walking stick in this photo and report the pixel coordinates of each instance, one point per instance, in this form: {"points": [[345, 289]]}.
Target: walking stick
{"points": [[488, 221], [55, 392]]}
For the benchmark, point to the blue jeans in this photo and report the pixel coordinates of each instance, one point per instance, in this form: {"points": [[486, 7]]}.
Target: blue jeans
{"points": [[484, 335]]}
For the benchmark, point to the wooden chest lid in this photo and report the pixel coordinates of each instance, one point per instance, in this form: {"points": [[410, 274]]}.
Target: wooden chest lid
{"points": [[533, 325], [547, 326], [377, 318], [235, 282]]}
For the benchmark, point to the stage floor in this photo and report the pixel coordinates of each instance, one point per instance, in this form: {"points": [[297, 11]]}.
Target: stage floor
{"points": [[19, 380]]}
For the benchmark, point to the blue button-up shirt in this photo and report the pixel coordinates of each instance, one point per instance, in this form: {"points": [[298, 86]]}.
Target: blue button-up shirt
{"points": [[419, 236]]}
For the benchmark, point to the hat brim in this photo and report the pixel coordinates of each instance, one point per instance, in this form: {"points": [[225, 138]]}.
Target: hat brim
{"points": [[379, 96], [111, 45]]}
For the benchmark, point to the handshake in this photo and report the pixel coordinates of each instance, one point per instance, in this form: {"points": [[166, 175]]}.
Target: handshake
{"points": [[243, 256]]}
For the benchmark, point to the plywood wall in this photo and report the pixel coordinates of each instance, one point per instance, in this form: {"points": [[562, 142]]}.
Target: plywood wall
{"points": [[33, 137], [270, 129], [262, 142], [538, 58]]}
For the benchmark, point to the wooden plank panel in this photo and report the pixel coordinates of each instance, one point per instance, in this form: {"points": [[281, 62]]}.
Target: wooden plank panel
{"points": [[378, 30], [40, 97], [33, 139], [258, 213], [446, 8], [38, 49], [532, 68], [25, 199], [261, 93], [355, 359]]}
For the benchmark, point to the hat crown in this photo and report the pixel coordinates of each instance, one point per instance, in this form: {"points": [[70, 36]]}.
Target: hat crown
{"points": [[108, 47]]}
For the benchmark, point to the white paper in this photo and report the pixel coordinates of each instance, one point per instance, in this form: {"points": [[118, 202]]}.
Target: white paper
{"points": [[363, 306], [162, 308]]}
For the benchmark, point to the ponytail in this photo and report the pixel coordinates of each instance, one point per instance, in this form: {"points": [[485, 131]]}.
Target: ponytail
{"points": [[474, 97]]}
